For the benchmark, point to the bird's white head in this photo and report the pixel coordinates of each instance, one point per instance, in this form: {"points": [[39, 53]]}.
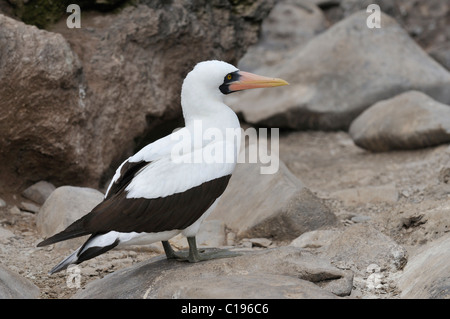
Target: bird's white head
{"points": [[210, 80]]}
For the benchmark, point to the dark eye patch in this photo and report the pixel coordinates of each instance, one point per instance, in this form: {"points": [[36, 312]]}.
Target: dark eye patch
{"points": [[231, 77], [228, 79]]}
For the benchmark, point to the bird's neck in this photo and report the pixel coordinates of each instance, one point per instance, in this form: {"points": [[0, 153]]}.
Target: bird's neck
{"points": [[222, 118], [208, 108], [209, 120]]}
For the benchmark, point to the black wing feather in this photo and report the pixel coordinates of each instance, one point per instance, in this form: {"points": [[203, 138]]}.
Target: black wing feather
{"points": [[122, 214], [127, 173]]}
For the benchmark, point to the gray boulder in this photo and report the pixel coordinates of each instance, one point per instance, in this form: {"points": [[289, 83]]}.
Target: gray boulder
{"points": [[288, 27], [340, 73], [64, 206], [284, 272], [427, 274], [410, 120], [270, 205], [425, 20], [14, 286]]}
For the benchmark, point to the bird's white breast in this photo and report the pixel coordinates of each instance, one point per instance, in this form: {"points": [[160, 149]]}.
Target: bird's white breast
{"points": [[183, 160]]}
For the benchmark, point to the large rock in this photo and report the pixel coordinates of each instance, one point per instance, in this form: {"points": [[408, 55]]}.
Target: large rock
{"points": [[13, 286], [270, 205], [70, 112], [64, 206], [340, 73], [427, 274], [410, 120], [284, 272], [41, 112], [425, 20]]}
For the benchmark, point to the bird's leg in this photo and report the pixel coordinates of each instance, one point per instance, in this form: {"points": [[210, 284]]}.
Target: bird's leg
{"points": [[196, 256], [170, 253]]}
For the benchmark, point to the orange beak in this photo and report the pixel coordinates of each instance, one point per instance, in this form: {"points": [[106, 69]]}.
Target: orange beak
{"points": [[252, 81]]}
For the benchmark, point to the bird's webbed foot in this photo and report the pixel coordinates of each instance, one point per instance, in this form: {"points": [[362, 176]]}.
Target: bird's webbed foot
{"points": [[194, 255]]}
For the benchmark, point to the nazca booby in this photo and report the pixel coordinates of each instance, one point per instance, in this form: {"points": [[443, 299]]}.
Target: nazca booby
{"points": [[154, 195]]}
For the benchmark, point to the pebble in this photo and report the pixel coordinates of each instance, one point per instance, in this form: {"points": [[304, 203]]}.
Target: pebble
{"points": [[29, 207], [256, 242], [14, 210], [39, 192], [405, 193], [360, 219], [260, 242]]}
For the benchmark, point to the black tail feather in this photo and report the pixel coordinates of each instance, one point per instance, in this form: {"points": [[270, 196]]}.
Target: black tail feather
{"points": [[91, 252], [76, 229], [64, 235], [83, 254]]}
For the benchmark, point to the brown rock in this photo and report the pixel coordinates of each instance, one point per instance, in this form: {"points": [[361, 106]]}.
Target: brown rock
{"points": [[69, 113], [41, 111]]}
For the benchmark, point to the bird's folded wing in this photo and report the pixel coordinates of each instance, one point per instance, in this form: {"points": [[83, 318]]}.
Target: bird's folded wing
{"points": [[153, 196]]}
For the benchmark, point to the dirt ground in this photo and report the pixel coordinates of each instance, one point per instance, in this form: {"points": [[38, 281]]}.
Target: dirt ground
{"points": [[326, 162]]}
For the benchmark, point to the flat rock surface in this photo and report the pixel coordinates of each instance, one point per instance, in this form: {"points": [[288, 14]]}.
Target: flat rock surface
{"points": [[427, 274], [276, 273], [14, 286]]}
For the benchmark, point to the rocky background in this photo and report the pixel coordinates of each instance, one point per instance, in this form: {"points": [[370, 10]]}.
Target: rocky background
{"points": [[360, 207]]}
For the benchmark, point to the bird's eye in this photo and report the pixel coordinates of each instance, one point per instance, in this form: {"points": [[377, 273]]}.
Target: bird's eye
{"points": [[229, 77]]}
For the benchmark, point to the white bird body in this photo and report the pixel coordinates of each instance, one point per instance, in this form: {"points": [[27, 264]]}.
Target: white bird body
{"points": [[169, 186]]}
